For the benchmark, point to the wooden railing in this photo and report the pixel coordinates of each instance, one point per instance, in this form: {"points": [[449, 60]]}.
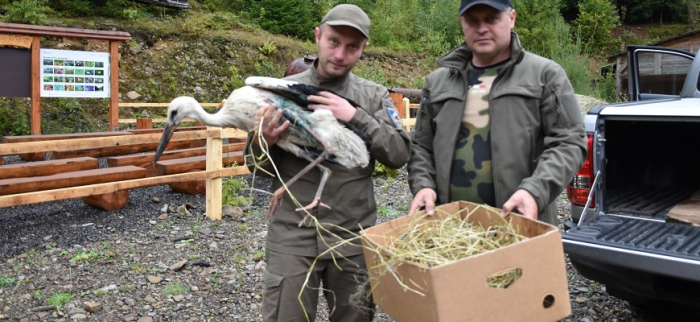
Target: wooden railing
{"points": [[213, 173]]}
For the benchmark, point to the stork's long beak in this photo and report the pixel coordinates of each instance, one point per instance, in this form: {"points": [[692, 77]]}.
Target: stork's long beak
{"points": [[167, 134]]}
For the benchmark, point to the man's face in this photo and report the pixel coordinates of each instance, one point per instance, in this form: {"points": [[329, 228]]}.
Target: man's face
{"points": [[487, 32], [339, 48]]}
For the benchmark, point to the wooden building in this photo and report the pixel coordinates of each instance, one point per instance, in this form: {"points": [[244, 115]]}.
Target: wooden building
{"points": [[668, 73], [175, 4]]}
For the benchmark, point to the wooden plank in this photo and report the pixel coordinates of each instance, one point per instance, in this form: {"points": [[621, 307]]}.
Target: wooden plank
{"points": [[214, 185], [90, 143], [40, 31], [77, 192], [70, 179], [687, 211], [160, 130], [35, 115], [142, 124], [397, 98], [53, 137], [141, 160], [196, 163], [164, 104], [113, 85], [408, 124], [121, 149], [45, 168]]}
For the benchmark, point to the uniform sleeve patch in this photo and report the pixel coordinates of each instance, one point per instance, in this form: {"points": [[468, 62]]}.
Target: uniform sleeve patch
{"points": [[395, 117]]}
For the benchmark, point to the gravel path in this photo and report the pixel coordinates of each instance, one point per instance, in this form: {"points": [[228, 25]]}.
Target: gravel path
{"points": [[122, 263]]}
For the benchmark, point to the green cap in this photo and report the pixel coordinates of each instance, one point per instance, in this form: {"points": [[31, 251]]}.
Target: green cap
{"points": [[348, 15]]}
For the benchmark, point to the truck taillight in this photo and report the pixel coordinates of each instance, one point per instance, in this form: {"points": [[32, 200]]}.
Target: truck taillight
{"points": [[580, 187]]}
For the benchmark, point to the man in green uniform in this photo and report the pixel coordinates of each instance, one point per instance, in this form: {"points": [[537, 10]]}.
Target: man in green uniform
{"points": [[290, 249], [497, 125]]}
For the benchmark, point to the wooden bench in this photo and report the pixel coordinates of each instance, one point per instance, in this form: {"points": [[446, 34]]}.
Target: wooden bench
{"points": [[45, 168], [191, 164], [143, 160], [38, 156], [123, 149], [108, 201]]}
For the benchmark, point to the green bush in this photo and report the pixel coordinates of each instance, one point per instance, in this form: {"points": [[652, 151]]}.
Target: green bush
{"points": [[31, 12], [14, 117], [595, 21], [293, 18]]}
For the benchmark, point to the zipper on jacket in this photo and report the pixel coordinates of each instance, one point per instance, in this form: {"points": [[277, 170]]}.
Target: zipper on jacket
{"points": [[562, 120]]}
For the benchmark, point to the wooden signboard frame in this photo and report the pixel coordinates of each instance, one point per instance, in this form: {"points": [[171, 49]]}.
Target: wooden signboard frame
{"points": [[29, 36]]}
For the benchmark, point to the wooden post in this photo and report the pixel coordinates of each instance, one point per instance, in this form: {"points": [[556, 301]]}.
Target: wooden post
{"points": [[35, 126], [144, 124], [113, 84], [214, 186], [406, 108], [398, 102]]}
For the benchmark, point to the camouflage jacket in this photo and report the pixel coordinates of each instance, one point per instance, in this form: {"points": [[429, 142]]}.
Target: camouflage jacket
{"points": [[538, 141], [349, 193]]}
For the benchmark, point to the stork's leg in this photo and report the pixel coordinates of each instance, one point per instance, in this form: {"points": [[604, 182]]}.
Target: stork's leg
{"points": [[277, 195]]}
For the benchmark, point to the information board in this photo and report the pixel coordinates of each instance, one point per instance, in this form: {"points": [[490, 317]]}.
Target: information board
{"points": [[69, 73]]}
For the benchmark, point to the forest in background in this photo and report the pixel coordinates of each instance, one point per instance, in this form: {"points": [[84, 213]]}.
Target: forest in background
{"points": [[580, 35]]}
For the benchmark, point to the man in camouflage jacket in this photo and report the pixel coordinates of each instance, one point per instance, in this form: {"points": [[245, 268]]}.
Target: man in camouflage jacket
{"points": [[496, 125]]}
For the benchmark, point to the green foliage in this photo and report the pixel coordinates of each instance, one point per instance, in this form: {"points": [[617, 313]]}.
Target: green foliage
{"points": [[265, 68], [81, 255], [595, 21], [293, 18], [268, 48], [372, 70], [541, 27], [14, 117], [380, 169], [59, 299], [173, 289], [72, 8], [6, 280], [31, 12], [232, 192], [68, 115]]}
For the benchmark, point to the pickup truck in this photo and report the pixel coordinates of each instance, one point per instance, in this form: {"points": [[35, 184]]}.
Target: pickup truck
{"points": [[644, 160]]}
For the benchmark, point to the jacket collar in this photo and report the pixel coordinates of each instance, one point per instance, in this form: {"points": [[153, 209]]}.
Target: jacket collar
{"points": [[330, 83], [461, 55]]}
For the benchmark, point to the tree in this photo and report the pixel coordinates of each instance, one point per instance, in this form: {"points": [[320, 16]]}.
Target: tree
{"points": [[595, 21], [541, 27]]}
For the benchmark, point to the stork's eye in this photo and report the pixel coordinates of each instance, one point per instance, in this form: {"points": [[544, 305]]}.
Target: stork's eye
{"points": [[173, 113]]}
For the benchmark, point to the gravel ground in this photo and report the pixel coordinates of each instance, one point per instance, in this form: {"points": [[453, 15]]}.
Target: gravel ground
{"points": [[121, 263]]}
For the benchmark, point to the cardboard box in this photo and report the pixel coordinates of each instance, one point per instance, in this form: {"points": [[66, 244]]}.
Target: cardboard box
{"points": [[458, 291]]}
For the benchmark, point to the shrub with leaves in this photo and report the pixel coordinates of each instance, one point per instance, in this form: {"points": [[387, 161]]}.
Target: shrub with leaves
{"points": [[595, 21], [31, 12]]}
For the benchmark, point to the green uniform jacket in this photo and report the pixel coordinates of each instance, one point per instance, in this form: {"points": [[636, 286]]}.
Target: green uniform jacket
{"points": [[349, 192], [538, 141]]}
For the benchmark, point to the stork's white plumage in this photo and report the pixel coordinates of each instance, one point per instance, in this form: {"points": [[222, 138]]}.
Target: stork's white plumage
{"points": [[313, 135]]}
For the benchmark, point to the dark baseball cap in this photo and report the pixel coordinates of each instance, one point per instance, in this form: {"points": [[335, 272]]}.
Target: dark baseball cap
{"points": [[499, 5], [348, 15]]}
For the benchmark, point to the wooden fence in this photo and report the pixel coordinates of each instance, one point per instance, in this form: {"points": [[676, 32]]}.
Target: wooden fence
{"points": [[213, 173]]}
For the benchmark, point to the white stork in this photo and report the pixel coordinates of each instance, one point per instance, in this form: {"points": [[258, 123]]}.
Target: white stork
{"points": [[313, 135]]}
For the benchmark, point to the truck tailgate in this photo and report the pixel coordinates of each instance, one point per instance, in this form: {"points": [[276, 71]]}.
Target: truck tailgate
{"points": [[638, 243]]}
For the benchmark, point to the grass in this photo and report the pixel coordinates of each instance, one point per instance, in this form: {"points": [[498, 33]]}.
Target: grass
{"points": [[173, 289], [6, 280], [59, 299], [84, 255]]}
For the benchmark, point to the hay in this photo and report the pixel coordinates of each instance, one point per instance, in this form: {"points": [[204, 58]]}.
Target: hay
{"points": [[438, 240]]}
